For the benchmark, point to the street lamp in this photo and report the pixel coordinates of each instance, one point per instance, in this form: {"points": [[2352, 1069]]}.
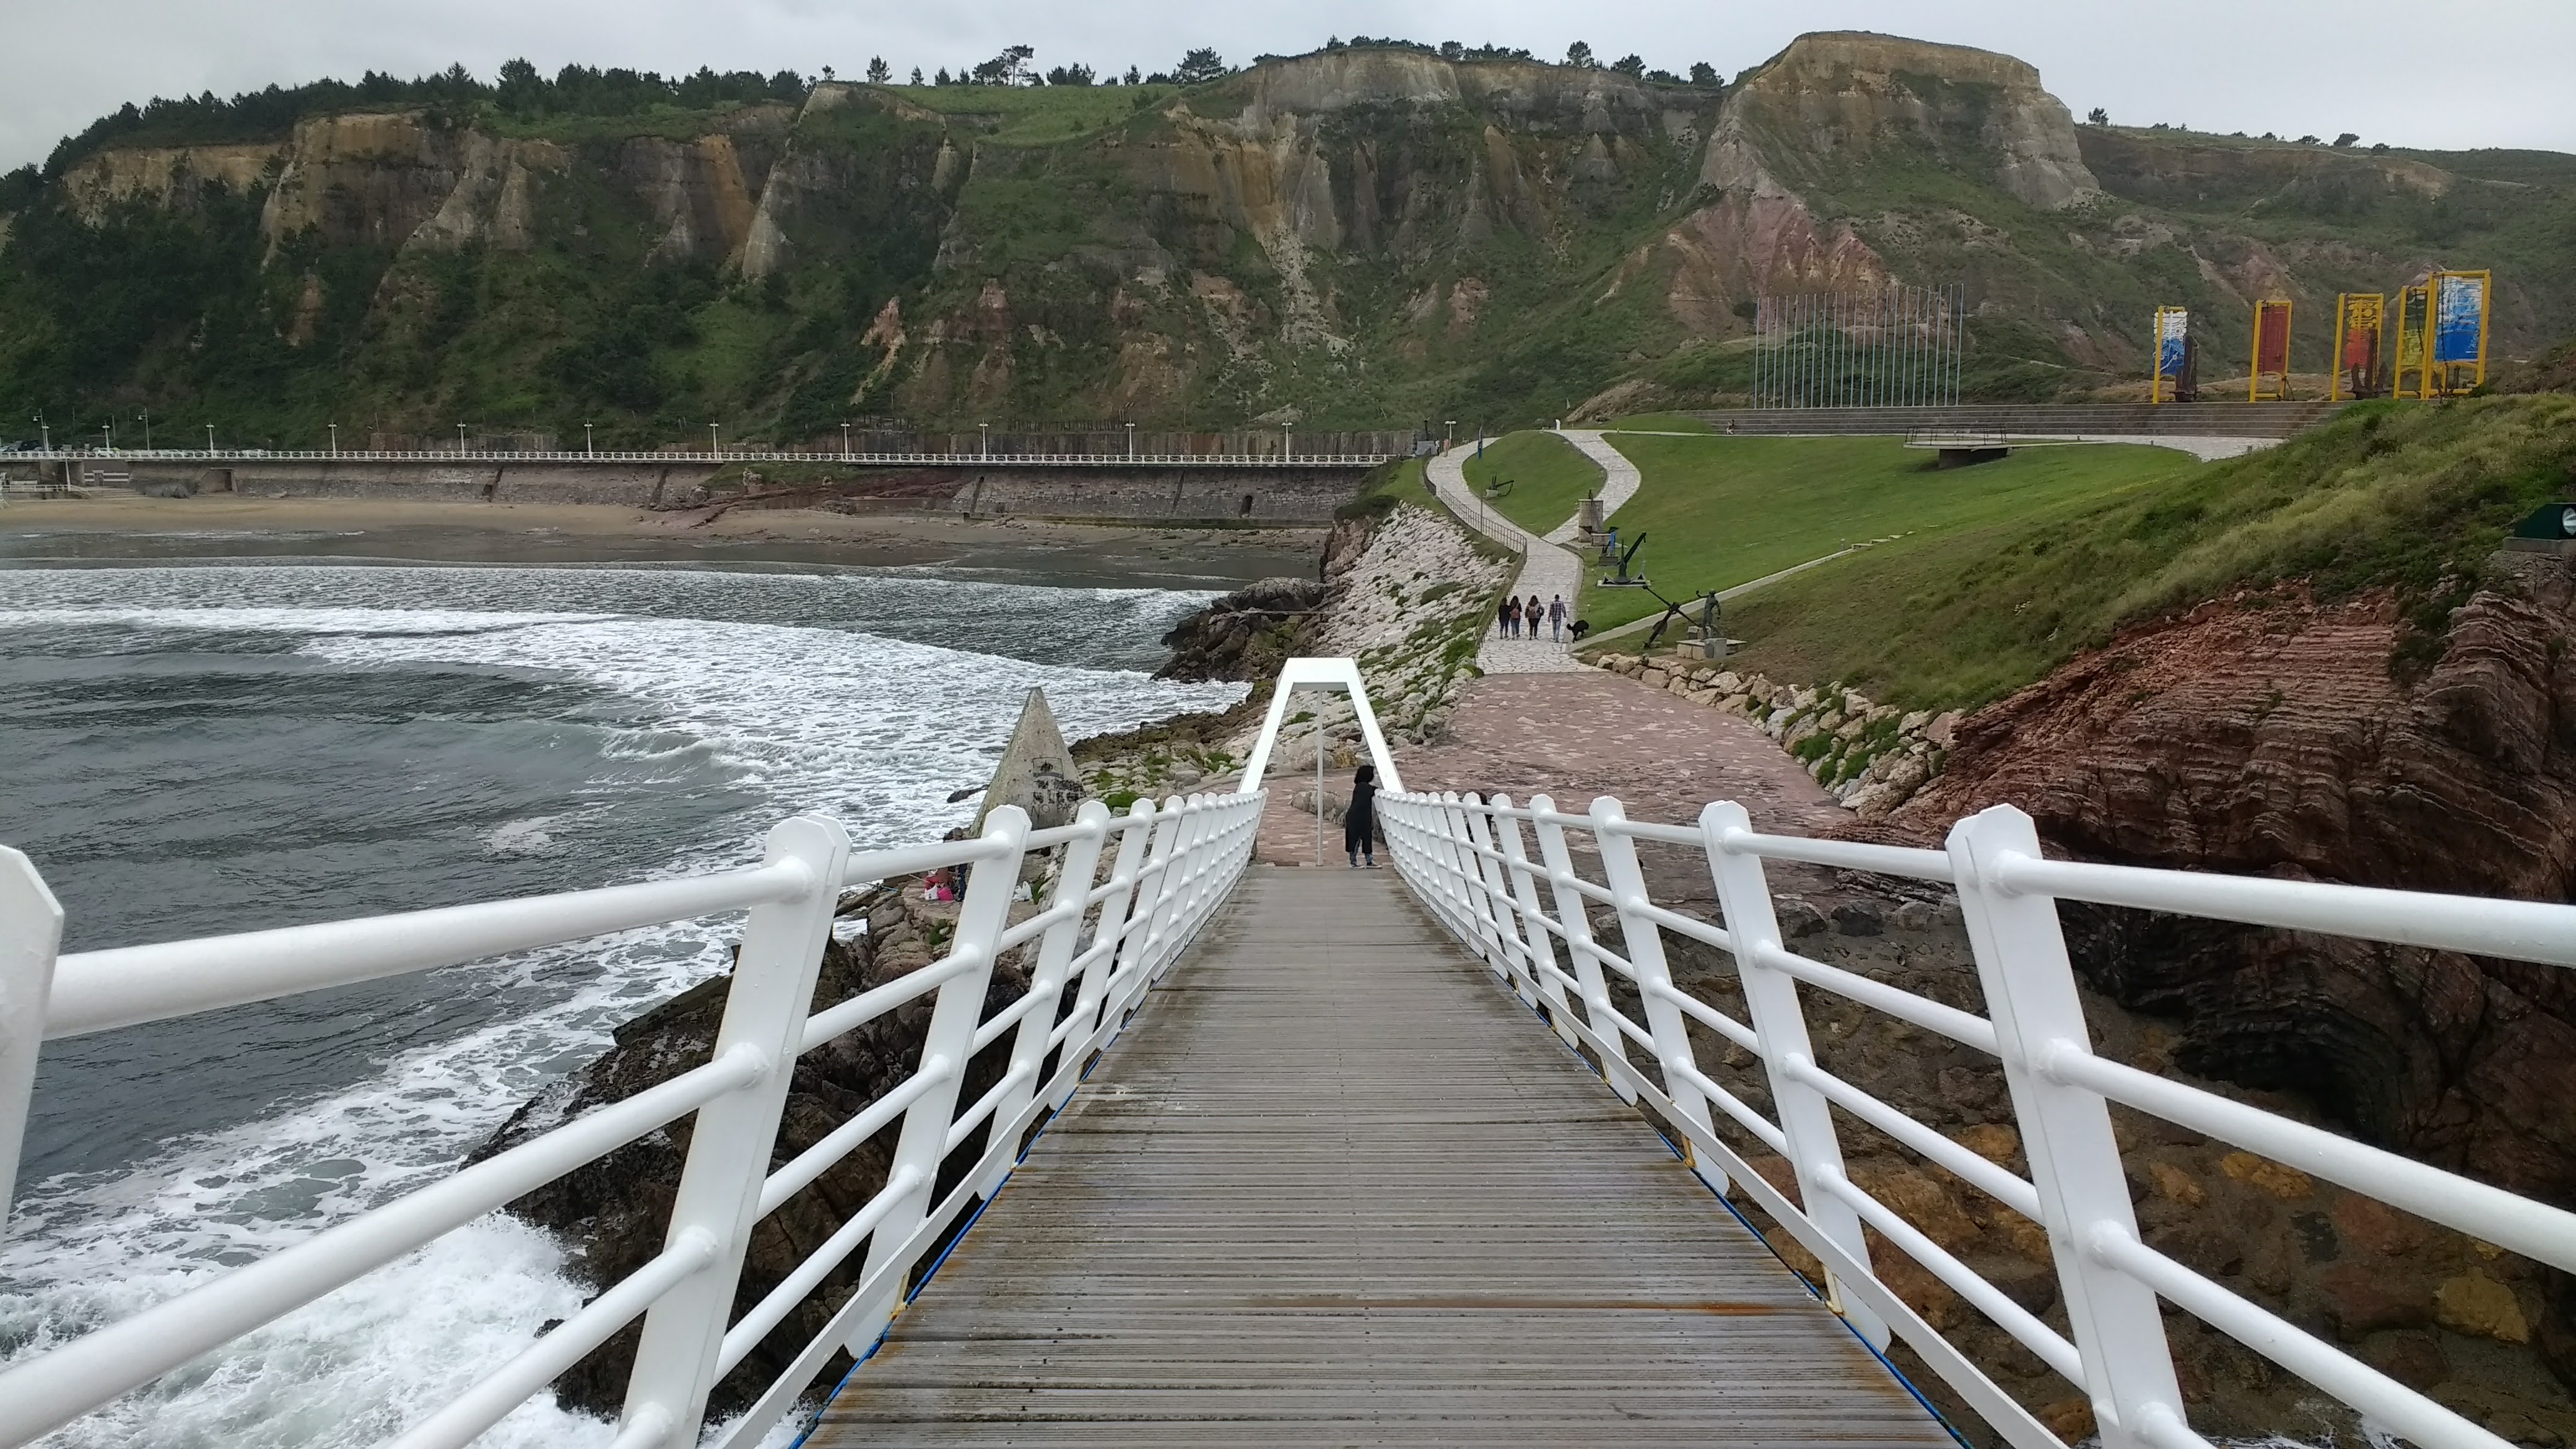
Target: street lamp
{"points": [[587, 450], [1452, 442], [146, 416], [335, 438], [460, 440], [107, 436], [45, 428], [210, 440], [711, 441], [1131, 442], [986, 429], [845, 442]]}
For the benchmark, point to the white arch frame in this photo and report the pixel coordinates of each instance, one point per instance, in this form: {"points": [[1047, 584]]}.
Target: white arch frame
{"points": [[1321, 674]]}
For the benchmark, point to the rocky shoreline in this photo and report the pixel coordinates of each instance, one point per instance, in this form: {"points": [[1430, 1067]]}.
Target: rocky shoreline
{"points": [[1407, 594], [1871, 757]]}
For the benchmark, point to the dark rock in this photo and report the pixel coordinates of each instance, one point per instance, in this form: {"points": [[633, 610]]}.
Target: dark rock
{"points": [[1858, 918], [612, 1214], [1797, 917], [2361, 1299], [1247, 634], [2412, 1358]]}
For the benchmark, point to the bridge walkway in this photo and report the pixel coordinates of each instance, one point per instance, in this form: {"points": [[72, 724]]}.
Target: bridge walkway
{"points": [[1335, 1187]]}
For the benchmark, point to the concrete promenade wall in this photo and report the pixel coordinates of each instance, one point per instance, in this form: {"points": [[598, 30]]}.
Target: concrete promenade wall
{"points": [[1107, 494]]}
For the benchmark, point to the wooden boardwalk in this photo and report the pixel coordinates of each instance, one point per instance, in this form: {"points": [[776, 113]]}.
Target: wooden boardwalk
{"points": [[1335, 1187]]}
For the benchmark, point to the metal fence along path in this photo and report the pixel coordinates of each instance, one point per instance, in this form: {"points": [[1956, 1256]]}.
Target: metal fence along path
{"points": [[1359, 1157], [1329, 1190]]}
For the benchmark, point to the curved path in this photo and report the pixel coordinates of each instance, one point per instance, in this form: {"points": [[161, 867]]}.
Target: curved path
{"points": [[1546, 570], [1619, 477]]}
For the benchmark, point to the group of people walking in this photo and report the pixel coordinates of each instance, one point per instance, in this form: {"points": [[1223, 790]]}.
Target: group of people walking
{"points": [[1514, 617]]}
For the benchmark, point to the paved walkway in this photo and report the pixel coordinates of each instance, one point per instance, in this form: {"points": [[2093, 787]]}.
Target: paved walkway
{"points": [[1619, 477], [1335, 1187], [1548, 571]]}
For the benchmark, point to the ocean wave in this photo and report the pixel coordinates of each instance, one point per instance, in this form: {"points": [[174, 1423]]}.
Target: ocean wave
{"points": [[781, 687]]}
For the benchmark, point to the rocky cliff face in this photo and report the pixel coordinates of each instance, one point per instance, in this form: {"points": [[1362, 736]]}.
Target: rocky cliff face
{"points": [[1838, 100], [2266, 736], [1359, 236]]}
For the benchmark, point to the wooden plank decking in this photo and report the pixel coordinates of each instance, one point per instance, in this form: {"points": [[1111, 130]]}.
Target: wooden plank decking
{"points": [[1334, 1187]]}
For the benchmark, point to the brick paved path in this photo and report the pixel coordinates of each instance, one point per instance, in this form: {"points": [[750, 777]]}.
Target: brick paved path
{"points": [[1575, 736]]}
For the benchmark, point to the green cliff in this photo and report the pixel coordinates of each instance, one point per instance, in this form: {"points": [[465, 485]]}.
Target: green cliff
{"points": [[1362, 237]]}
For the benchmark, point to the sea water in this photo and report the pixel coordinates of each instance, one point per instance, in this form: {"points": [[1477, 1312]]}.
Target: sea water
{"points": [[193, 750]]}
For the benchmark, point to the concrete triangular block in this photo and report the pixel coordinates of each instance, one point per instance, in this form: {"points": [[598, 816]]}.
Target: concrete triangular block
{"points": [[1036, 771]]}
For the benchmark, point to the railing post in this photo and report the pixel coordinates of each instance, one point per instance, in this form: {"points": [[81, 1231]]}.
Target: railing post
{"points": [[1113, 917], [1420, 861], [31, 935], [2065, 1130], [731, 1141], [1559, 861], [1046, 984], [1135, 963], [1472, 883], [1542, 946], [1655, 990], [1163, 940], [1454, 809], [1780, 1027], [945, 1047], [1483, 827]]}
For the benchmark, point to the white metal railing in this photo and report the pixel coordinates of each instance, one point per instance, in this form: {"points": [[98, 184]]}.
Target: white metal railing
{"points": [[1100, 940], [1532, 919], [715, 458]]}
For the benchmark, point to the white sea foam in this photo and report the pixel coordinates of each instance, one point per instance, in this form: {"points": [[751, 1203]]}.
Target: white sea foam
{"points": [[872, 730]]}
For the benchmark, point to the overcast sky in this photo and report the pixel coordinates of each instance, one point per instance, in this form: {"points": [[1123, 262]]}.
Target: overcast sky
{"points": [[2392, 71]]}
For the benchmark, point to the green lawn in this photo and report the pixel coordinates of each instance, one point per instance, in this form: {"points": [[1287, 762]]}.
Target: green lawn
{"points": [[1548, 475], [1718, 511], [2406, 496]]}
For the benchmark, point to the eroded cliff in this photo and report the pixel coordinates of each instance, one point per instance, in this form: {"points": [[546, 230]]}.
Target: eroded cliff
{"points": [[1353, 237]]}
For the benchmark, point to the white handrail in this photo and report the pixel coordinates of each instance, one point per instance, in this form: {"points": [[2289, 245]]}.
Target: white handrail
{"points": [[1485, 896], [1144, 883], [1143, 918]]}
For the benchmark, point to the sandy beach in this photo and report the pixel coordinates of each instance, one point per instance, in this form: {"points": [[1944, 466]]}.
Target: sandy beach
{"points": [[126, 530]]}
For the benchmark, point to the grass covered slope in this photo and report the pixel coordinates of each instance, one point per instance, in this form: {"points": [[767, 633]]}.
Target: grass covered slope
{"points": [[1719, 511], [2406, 496], [1547, 474]]}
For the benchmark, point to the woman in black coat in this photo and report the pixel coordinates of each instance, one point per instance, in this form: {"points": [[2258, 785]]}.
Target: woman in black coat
{"points": [[1359, 822]]}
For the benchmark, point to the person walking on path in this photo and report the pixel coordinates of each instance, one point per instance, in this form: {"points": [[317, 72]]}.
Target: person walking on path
{"points": [[1529, 616], [1359, 822], [1556, 619], [1510, 628]]}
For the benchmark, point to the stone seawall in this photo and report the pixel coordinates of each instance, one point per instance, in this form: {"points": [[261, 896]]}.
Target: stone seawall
{"points": [[632, 485], [1301, 495]]}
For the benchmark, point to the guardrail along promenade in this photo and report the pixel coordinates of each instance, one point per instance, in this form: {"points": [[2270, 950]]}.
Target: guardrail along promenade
{"points": [[1419, 1156]]}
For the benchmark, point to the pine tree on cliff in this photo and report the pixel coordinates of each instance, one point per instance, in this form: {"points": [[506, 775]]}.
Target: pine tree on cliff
{"points": [[879, 72], [1579, 55]]}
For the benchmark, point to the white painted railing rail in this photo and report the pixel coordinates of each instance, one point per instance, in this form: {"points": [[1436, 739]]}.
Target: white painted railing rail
{"points": [[1129, 893], [1537, 922]]}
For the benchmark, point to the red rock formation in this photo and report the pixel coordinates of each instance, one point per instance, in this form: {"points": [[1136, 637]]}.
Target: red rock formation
{"points": [[2265, 735]]}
